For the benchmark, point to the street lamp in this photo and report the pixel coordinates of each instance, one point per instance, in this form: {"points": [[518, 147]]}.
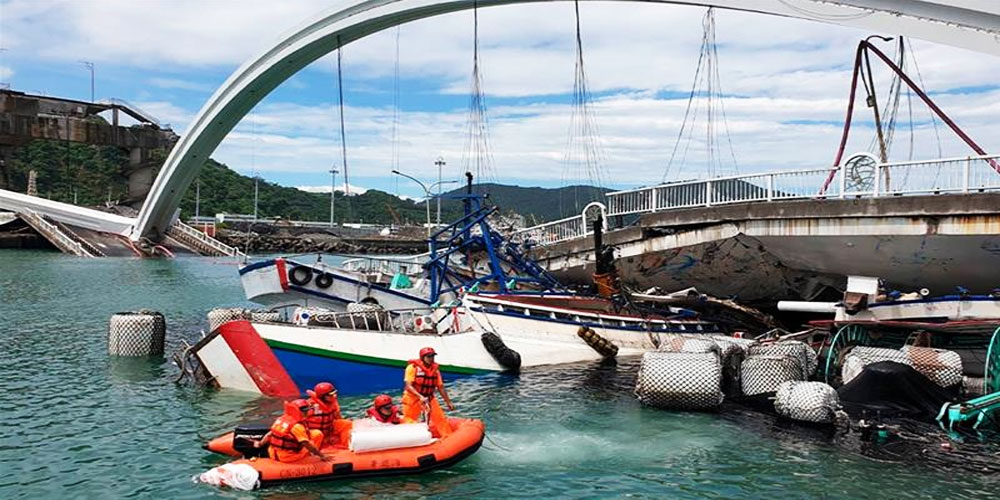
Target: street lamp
{"points": [[89, 65], [440, 163], [427, 193], [333, 189]]}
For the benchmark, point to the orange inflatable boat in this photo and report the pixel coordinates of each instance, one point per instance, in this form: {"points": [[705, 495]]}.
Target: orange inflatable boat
{"points": [[463, 441]]}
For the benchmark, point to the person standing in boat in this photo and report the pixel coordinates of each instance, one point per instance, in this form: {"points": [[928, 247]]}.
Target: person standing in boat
{"points": [[289, 438], [325, 415], [422, 378], [384, 411]]}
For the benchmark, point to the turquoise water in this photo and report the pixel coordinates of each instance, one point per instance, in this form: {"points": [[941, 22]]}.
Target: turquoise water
{"points": [[82, 425]]}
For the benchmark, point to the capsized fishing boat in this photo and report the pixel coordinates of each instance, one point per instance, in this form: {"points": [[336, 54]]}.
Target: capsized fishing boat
{"points": [[381, 458]]}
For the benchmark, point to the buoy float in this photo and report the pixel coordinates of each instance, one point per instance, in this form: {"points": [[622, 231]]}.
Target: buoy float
{"points": [[505, 356], [139, 333], [603, 346]]}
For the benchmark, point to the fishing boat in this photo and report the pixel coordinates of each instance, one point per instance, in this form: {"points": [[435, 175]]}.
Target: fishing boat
{"points": [[965, 325], [485, 333], [467, 254]]}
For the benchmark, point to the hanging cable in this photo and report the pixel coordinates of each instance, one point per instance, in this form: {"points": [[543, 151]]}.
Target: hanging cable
{"points": [[478, 157], [583, 151], [395, 109], [343, 132], [706, 86]]}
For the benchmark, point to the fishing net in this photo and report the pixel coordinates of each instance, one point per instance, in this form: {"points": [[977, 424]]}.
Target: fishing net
{"points": [[680, 380], [762, 374], [807, 401]]}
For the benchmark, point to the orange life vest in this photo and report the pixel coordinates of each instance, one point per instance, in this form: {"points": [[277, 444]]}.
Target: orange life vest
{"points": [[323, 415], [426, 380], [281, 434], [393, 417]]}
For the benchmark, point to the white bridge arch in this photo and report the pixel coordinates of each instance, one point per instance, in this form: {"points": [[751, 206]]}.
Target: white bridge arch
{"points": [[968, 24]]}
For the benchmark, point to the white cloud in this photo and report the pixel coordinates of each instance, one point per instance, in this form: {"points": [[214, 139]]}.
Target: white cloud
{"points": [[180, 84], [6, 74], [789, 79], [354, 189]]}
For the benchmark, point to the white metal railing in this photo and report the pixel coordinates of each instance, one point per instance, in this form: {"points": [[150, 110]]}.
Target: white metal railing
{"points": [[204, 239], [55, 235], [872, 180], [387, 265], [563, 229]]}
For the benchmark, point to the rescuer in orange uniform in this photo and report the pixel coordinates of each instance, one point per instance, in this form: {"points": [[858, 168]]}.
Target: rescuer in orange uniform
{"points": [[325, 415], [422, 378], [289, 437], [384, 411]]}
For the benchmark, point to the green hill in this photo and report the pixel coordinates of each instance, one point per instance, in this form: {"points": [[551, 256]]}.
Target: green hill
{"points": [[93, 174], [538, 204]]}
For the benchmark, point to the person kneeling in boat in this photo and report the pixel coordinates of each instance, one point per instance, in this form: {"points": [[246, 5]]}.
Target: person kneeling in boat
{"points": [[289, 438], [325, 416], [384, 411], [422, 379]]}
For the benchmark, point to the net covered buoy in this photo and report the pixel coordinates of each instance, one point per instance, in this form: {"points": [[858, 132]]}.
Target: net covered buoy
{"points": [[220, 315], [680, 380], [139, 333], [763, 374], [814, 402]]}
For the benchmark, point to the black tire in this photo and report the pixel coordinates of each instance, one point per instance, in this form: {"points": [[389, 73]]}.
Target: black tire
{"points": [[505, 356], [300, 275], [324, 280]]}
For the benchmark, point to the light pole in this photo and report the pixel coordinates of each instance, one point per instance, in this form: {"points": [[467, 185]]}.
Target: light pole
{"points": [[333, 190], [440, 163], [89, 65], [427, 193]]}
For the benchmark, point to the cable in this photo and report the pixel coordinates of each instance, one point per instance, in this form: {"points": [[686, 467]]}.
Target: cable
{"points": [[343, 132]]}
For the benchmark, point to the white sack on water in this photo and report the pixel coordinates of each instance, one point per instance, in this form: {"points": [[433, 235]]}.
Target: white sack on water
{"points": [[369, 435], [236, 476]]}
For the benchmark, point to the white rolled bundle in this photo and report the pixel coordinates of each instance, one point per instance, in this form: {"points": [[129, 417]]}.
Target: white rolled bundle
{"points": [[369, 435]]}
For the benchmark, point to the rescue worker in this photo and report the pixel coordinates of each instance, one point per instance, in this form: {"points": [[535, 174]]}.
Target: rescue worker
{"points": [[289, 438], [422, 378], [384, 411], [326, 417]]}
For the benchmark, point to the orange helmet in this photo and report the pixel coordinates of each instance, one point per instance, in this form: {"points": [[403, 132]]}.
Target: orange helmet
{"points": [[382, 400], [321, 389], [297, 409], [427, 351]]}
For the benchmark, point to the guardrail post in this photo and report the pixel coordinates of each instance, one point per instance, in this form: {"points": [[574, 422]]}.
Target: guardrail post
{"points": [[965, 175], [770, 187], [878, 177], [652, 199], [708, 193], [843, 181]]}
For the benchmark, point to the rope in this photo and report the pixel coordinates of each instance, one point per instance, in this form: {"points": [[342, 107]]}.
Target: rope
{"points": [[343, 132], [478, 156]]}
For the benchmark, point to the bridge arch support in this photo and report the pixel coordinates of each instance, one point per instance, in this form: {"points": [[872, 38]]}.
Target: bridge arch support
{"points": [[935, 20]]}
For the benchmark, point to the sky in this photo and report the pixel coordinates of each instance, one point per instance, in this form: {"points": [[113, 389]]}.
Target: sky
{"points": [[784, 85]]}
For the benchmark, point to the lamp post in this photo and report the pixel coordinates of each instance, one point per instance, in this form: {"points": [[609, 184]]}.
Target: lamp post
{"points": [[440, 163], [333, 189], [89, 65], [427, 193]]}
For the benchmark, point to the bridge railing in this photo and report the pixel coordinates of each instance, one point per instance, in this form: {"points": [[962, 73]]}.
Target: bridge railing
{"points": [[562, 229], [946, 175]]}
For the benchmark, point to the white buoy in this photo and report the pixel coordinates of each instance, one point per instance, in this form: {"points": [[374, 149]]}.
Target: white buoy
{"points": [[807, 402], [763, 374], [220, 315], [139, 333], [680, 380]]}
